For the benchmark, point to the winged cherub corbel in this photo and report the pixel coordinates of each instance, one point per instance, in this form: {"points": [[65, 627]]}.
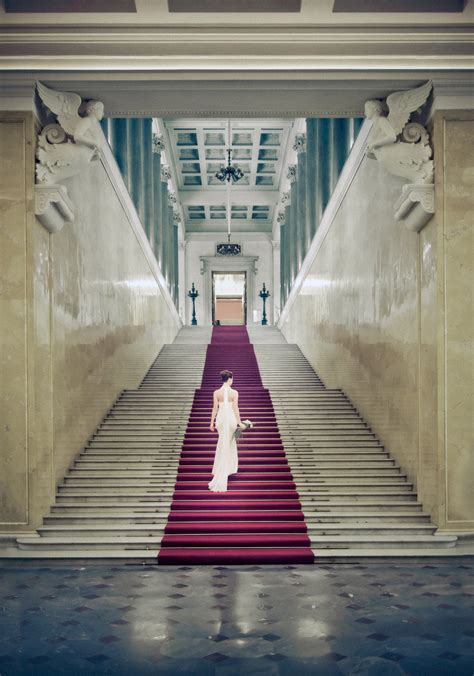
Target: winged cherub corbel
{"points": [[402, 147], [65, 149]]}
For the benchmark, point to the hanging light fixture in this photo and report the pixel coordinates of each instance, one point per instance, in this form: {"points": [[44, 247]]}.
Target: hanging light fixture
{"points": [[229, 175]]}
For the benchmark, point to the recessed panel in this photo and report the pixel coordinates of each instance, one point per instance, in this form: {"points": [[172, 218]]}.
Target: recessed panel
{"points": [[242, 153], [268, 138], [188, 154], [222, 6], [242, 138], [191, 168], [215, 154], [214, 138], [264, 180], [399, 6], [265, 168], [186, 138], [66, 6], [268, 154], [192, 180]]}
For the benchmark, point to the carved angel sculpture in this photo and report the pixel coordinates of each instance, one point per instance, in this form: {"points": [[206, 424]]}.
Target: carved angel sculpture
{"points": [[402, 147], [65, 149]]}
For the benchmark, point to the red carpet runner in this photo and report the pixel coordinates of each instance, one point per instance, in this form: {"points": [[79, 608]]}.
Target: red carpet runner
{"points": [[259, 518]]}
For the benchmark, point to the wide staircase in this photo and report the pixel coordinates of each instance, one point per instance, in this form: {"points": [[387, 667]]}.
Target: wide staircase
{"points": [[115, 499], [259, 518], [356, 498], [118, 498]]}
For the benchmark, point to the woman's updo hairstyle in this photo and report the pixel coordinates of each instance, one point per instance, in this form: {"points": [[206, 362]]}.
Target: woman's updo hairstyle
{"points": [[226, 375]]}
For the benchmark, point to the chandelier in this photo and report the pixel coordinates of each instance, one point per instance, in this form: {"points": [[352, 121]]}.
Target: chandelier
{"points": [[229, 173]]}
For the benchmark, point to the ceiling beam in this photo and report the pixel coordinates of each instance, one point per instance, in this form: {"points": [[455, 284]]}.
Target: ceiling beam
{"points": [[237, 195], [407, 6], [68, 6], [234, 6]]}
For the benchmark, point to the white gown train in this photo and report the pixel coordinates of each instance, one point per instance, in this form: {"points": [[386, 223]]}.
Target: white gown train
{"points": [[226, 460]]}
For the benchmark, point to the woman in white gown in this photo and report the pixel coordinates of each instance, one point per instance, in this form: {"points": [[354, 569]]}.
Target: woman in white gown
{"points": [[225, 412]]}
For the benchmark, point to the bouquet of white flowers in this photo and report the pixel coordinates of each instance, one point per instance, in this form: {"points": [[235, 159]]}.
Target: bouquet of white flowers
{"points": [[238, 431]]}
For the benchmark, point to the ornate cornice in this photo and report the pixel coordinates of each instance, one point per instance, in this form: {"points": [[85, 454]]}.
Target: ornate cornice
{"points": [[158, 143], [165, 173], [281, 218], [300, 143], [292, 174]]}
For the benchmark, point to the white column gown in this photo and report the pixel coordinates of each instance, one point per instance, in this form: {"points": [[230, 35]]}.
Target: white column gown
{"points": [[226, 460]]}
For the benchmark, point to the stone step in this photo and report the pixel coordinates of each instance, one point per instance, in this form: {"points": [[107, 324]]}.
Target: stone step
{"points": [[120, 517], [396, 515], [381, 541], [356, 493], [127, 507], [84, 542], [313, 508], [368, 529], [104, 530]]}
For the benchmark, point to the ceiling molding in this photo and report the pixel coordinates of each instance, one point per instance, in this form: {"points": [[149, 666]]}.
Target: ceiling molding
{"points": [[233, 49]]}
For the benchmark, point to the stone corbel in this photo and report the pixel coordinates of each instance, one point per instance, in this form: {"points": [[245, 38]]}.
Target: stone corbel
{"points": [[415, 206], [53, 208], [158, 143], [403, 148], [66, 147], [300, 143], [292, 174]]}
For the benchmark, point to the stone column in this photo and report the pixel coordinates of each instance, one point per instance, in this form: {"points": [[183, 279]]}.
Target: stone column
{"points": [[170, 278], [339, 144], [157, 212], [135, 150], [301, 230], [175, 261], [164, 221], [276, 285], [182, 277], [118, 141], [286, 252], [323, 185], [281, 221], [293, 234], [311, 196], [147, 147]]}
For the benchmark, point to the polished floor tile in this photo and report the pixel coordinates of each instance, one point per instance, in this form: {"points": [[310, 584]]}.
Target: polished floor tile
{"points": [[375, 619]]}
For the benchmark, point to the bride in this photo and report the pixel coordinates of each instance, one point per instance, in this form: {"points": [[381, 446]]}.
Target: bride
{"points": [[227, 416]]}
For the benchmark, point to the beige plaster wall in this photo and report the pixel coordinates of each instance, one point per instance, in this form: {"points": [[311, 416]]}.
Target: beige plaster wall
{"points": [[83, 318], [368, 319]]}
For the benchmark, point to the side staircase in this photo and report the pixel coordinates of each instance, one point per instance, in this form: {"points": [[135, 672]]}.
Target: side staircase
{"points": [[114, 501], [356, 498]]}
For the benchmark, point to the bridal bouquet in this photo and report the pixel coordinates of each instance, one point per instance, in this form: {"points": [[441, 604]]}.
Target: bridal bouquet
{"points": [[238, 431]]}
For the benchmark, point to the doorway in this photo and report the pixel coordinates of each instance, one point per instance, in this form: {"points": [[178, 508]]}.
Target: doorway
{"points": [[229, 297]]}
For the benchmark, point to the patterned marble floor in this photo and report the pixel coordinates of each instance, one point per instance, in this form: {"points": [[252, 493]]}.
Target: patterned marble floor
{"points": [[376, 619]]}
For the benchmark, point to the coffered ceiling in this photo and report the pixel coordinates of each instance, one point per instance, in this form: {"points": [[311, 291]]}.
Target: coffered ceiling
{"points": [[196, 150]]}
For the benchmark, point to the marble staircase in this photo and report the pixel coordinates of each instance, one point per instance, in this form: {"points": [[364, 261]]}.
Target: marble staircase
{"points": [[356, 498], [115, 499]]}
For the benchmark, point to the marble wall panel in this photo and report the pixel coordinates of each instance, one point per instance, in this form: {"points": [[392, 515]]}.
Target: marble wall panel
{"points": [[13, 315], [357, 318], [81, 318], [454, 131], [110, 318], [387, 315]]}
